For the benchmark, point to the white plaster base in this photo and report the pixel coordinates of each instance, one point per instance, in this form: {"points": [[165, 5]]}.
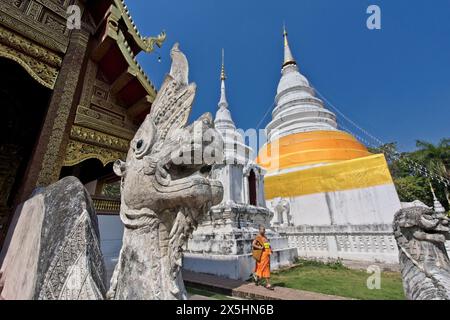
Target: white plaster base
{"points": [[350, 224], [239, 267], [372, 205]]}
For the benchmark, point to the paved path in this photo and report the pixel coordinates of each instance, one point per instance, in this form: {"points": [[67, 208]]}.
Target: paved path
{"points": [[248, 290], [198, 297]]}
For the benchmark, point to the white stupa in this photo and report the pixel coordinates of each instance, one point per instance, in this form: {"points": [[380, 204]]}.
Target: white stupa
{"points": [[297, 109], [221, 245], [235, 149], [333, 198]]}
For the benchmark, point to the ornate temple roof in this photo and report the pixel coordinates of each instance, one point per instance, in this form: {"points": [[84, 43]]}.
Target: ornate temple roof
{"points": [[123, 94], [139, 42], [119, 44]]}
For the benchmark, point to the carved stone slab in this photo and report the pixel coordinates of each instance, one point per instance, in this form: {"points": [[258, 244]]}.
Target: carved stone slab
{"points": [[54, 252]]}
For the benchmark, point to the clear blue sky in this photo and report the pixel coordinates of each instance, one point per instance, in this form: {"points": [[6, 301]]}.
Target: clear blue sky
{"points": [[393, 82]]}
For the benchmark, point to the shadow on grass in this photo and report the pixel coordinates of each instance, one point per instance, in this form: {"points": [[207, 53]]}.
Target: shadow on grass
{"points": [[279, 284]]}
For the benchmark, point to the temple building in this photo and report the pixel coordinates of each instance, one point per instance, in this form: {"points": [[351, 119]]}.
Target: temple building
{"points": [[72, 98], [335, 199], [222, 243]]}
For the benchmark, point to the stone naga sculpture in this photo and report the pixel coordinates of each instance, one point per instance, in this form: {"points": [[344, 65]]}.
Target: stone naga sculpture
{"points": [[162, 197], [421, 234]]}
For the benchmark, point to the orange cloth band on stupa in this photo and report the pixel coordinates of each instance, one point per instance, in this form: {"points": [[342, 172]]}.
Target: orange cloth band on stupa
{"points": [[307, 148]]}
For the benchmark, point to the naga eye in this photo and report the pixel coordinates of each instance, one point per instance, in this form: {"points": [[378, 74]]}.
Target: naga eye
{"points": [[139, 144]]}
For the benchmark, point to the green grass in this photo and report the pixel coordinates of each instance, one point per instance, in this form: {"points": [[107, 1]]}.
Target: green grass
{"points": [[336, 279], [206, 293]]}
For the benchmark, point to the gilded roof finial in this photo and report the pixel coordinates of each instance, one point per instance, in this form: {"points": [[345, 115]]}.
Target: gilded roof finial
{"points": [[222, 73], [288, 58]]}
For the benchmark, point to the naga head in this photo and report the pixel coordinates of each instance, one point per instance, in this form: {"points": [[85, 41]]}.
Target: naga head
{"points": [[168, 163], [423, 224]]}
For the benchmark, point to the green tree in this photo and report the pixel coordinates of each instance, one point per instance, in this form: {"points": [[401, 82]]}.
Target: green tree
{"points": [[437, 159], [412, 188], [411, 184]]}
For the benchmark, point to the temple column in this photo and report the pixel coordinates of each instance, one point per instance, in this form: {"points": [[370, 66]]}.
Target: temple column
{"points": [[257, 178], [246, 197], [46, 162]]}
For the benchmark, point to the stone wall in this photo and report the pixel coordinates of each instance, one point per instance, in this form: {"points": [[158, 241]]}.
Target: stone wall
{"points": [[371, 243]]}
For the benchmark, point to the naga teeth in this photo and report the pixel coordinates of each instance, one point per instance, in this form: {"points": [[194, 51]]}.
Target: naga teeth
{"points": [[162, 171], [162, 176]]}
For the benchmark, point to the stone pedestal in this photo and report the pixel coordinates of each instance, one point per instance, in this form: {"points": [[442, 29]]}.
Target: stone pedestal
{"points": [[222, 244]]}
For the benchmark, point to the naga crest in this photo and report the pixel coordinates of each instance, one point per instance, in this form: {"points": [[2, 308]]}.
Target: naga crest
{"points": [[165, 190], [421, 234]]}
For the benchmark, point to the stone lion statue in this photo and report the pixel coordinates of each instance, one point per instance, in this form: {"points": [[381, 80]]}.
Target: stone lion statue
{"points": [[425, 266]]}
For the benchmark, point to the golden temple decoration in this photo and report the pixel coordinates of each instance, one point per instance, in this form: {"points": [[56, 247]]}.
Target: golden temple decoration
{"points": [[78, 152], [222, 72], [61, 106], [105, 205], [285, 34], [42, 64], [134, 64], [99, 138], [151, 41], [87, 143], [288, 58], [145, 43]]}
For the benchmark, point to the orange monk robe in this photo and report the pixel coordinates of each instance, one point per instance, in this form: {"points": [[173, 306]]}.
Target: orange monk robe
{"points": [[262, 268]]}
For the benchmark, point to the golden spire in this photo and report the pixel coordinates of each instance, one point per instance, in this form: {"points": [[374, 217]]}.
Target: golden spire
{"points": [[288, 58], [223, 97], [286, 44], [222, 73]]}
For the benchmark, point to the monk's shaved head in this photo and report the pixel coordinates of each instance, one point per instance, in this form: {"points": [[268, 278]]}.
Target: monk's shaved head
{"points": [[262, 229]]}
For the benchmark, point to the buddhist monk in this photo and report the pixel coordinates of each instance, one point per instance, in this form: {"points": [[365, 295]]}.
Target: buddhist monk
{"points": [[262, 268]]}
